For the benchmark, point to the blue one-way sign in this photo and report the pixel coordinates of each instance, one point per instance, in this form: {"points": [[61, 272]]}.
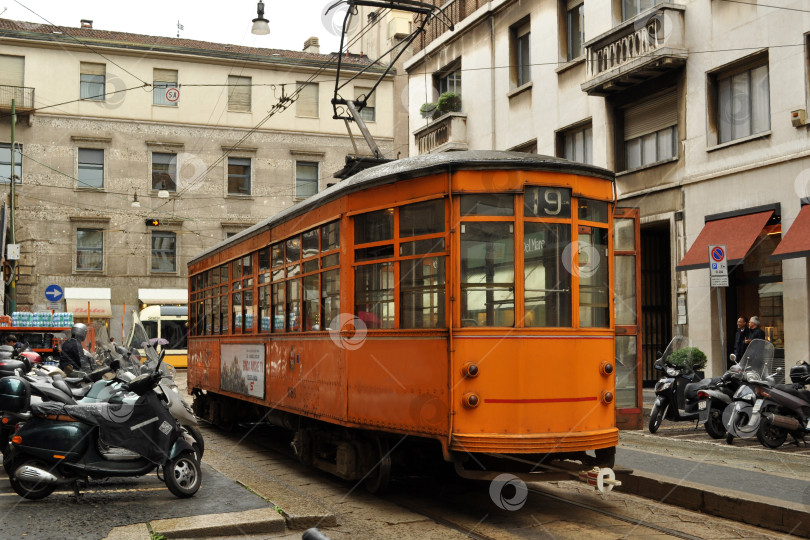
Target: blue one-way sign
{"points": [[54, 293]]}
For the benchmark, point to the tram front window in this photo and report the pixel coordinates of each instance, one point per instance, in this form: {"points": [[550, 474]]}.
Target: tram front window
{"points": [[487, 274], [547, 281], [593, 264]]}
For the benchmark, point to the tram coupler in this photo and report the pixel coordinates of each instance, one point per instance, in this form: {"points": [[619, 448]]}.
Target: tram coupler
{"points": [[603, 479]]}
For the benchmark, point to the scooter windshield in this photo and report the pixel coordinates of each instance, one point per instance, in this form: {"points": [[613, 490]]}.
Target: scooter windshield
{"points": [[758, 358], [677, 343], [139, 339]]}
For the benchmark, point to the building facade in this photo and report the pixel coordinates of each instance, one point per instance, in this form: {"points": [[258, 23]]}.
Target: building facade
{"points": [[699, 108], [134, 153]]}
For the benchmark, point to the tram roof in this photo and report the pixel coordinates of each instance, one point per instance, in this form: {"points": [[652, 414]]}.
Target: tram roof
{"points": [[412, 167]]}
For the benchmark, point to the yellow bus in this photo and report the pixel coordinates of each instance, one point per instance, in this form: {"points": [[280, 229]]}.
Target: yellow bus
{"points": [[168, 325]]}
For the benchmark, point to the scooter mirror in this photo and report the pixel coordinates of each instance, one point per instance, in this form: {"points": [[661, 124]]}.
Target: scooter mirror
{"points": [[732, 357]]}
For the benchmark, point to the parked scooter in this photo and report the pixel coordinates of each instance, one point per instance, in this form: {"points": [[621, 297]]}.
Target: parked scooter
{"points": [[676, 396], [714, 399], [781, 409], [112, 439], [739, 418]]}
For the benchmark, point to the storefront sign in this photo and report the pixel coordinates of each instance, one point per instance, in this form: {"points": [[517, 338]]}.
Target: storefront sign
{"points": [[241, 369], [718, 266]]}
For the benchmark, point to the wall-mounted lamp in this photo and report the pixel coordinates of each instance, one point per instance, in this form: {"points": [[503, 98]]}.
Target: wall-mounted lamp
{"points": [[135, 203], [261, 26]]}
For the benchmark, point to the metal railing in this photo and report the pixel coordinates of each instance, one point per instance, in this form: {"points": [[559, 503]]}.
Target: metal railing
{"points": [[23, 97]]}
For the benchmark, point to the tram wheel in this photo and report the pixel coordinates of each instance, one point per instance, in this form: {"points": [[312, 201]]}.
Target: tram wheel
{"points": [[379, 477]]}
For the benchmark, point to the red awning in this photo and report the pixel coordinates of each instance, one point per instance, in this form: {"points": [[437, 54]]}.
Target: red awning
{"points": [[737, 233], [796, 242]]}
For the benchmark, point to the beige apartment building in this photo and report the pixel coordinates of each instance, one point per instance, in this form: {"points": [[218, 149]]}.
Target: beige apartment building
{"points": [[698, 106], [134, 153]]}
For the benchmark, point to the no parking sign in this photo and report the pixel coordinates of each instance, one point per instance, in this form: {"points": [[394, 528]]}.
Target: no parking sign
{"points": [[718, 266]]}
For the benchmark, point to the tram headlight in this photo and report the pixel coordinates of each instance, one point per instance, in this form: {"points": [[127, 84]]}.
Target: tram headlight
{"points": [[607, 398], [471, 400], [606, 368], [470, 370]]}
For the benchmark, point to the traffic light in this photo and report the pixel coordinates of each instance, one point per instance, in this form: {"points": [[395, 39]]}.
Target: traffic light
{"points": [[152, 222]]}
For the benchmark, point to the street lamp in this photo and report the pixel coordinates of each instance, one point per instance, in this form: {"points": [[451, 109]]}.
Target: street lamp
{"points": [[261, 26]]}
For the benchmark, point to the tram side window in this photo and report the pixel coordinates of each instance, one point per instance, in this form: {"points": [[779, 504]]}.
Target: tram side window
{"points": [[422, 293], [278, 306], [547, 281], [374, 294], [293, 305], [224, 295], [487, 273], [592, 269], [330, 298], [374, 226], [264, 308], [312, 315]]}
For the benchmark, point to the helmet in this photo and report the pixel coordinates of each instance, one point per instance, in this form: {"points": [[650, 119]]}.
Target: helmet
{"points": [[79, 331]]}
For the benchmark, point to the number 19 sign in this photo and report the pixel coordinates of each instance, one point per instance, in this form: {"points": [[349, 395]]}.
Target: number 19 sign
{"points": [[718, 266]]}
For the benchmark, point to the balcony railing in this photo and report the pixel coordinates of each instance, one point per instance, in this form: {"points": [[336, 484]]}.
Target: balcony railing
{"points": [[446, 133], [639, 49], [23, 98]]}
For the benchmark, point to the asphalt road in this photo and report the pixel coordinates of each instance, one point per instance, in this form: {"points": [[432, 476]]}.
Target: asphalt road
{"points": [[113, 503]]}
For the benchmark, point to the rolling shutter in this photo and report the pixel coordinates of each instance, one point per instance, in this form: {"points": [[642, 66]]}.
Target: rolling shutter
{"points": [[88, 68], [650, 116], [165, 75], [307, 104], [12, 69], [239, 93]]}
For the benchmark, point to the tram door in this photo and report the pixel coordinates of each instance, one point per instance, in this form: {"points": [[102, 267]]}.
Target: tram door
{"points": [[627, 312]]}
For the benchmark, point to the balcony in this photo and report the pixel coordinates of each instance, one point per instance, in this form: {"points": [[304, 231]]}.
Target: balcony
{"points": [[23, 100], [639, 49], [445, 134]]}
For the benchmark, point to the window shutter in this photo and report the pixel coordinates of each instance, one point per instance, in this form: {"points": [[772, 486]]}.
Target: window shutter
{"points": [[12, 69], [239, 93], [651, 116], [165, 75], [93, 69], [307, 104]]}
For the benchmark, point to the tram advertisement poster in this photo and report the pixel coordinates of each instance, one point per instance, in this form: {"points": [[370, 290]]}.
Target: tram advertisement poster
{"points": [[241, 369]]}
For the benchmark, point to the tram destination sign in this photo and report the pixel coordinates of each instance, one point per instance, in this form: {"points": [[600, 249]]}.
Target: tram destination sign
{"points": [[718, 266]]}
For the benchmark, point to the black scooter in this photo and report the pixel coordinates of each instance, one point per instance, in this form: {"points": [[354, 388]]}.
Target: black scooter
{"points": [[676, 393], [63, 443]]}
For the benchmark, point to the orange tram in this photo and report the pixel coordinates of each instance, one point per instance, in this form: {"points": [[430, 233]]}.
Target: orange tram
{"points": [[456, 304]]}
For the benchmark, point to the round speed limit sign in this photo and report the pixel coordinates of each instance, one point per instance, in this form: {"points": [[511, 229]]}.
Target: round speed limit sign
{"points": [[172, 94]]}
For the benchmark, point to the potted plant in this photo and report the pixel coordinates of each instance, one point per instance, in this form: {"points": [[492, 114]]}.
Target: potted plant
{"points": [[428, 110], [688, 357], [449, 102]]}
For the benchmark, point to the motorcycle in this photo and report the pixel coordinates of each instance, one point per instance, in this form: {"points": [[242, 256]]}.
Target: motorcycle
{"points": [[783, 409], [64, 443], [714, 399], [739, 417], [676, 393]]}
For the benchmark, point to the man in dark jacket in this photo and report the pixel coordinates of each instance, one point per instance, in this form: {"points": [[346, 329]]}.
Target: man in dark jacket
{"points": [[755, 332], [72, 351], [739, 339]]}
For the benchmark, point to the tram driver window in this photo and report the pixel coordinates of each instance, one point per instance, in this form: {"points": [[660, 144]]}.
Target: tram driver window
{"points": [[592, 268], [487, 273]]}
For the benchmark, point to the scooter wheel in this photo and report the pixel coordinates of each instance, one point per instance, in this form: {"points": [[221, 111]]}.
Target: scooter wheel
{"points": [[714, 425], [183, 475], [656, 417], [29, 489], [769, 435]]}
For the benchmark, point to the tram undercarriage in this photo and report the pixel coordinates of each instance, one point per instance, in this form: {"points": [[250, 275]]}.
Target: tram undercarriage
{"points": [[373, 457]]}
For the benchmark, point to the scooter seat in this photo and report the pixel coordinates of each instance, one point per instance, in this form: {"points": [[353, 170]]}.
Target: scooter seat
{"points": [[793, 391], [690, 390]]}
